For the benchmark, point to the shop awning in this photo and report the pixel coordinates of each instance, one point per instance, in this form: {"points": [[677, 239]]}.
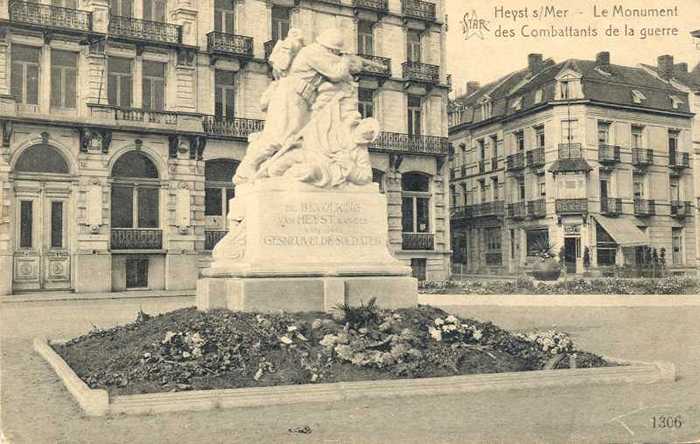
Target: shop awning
{"points": [[623, 230]]}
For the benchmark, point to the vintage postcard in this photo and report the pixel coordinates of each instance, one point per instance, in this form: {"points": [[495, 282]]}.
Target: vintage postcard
{"points": [[349, 221]]}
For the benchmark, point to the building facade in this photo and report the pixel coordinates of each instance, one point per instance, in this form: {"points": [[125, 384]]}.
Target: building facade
{"points": [[145, 107], [587, 157]]}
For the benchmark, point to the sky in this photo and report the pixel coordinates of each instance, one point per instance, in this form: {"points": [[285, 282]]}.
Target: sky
{"points": [[475, 53]]}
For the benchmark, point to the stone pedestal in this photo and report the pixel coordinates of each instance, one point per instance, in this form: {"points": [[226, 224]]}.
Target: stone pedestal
{"points": [[296, 247]]}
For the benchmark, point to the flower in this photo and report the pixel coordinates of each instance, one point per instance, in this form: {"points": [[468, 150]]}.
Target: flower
{"points": [[285, 340], [452, 319], [439, 321], [168, 336], [477, 334], [435, 333]]}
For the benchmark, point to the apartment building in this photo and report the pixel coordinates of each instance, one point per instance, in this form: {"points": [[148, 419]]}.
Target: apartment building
{"points": [[590, 157], [145, 106]]}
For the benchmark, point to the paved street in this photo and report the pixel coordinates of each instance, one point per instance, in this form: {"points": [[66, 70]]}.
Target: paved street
{"points": [[37, 409]]}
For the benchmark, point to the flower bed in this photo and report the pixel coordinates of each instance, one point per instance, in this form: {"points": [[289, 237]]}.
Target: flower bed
{"points": [[192, 350], [668, 285]]}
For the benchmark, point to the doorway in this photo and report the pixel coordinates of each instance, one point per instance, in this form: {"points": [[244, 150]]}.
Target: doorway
{"points": [[418, 268], [570, 254]]}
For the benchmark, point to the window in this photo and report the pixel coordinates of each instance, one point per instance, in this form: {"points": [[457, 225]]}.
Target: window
{"points": [[378, 178], [565, 90], [482, 149], [26, 227], [538, 95], [119, 83], [536, 241], [223, 16], [541, 186], [603, 133], [41, 159], [637, 96], [414, 115], [64, 72], [154, 10], [495, 190], [606, 247], [637, 137], [218, 186], [638, 187], [135, 192], [676, 101], [122, 8], [482, 190], [494, 145], [539, 136], [673, 146], [492, 236], [418, 268], [280, 22], [520, 140], [521, 189], [153, 86], [71, 4], [675, 193], [365, 102], [56, 240], [365, 38], [136, 272], [224, 95], [413, 49], [517, 104], [677, 246], [25, 74], [486, 109], [568, 130], [415, 204]]}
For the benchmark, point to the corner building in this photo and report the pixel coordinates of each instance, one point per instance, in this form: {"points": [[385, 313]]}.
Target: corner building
{"points": [[587, 155], [123, 123]]}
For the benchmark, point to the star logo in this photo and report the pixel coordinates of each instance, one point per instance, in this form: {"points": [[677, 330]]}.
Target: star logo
{"points": [[472, 25]]}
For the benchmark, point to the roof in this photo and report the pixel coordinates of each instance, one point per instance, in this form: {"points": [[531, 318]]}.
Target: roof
{"points": [[569, 166], [691, 79]]}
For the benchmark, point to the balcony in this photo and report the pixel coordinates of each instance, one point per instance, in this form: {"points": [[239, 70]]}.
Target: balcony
{"points": [[536, 208], [381, 6], [494, 208], [515, 162], [461, 212], [47, 16], [678, 161], [421, 72], [407, 143], [145, 116], [535, 158], [418, 241], [517, 210], [644, 207], [612, 206], [571, 206], [376, 71], [143, 119], [229, 44], [268, 46], [418, 9], [144, 31], [608, 154], [231, 127], [642, 157], [136, 239], [570, 151], [212, 237], [680, 208]]}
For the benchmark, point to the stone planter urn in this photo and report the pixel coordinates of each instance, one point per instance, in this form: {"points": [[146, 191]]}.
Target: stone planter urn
{"points": [[547, 269]]}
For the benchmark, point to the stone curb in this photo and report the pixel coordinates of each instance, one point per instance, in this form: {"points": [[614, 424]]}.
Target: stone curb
{"points": [[98, 402], [93, 402], [560, 300], [96, 296]]}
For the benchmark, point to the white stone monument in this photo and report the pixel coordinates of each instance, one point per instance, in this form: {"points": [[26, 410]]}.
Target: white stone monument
{"points": [[307, 228]]}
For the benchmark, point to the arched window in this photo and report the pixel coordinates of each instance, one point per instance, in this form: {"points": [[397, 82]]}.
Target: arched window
{"points": [[415, 203], [41, 158], [218, 176], [378, 178], [135, 192]]}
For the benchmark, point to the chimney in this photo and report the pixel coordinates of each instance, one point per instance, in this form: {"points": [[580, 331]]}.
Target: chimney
{"points": [[680, 68], [602, 58], [665, 66], [534, 63], [472, 87]]}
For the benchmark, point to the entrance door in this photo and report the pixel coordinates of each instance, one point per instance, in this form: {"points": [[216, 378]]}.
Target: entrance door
{"points": [[41, 259], [570, 254]]}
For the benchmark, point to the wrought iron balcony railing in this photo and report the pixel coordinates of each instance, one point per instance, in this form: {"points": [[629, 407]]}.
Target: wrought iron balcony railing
{"points": [[136, 239], [612, 206], [49, 16], [144, 30], [212, 237], [408, 143], [644, 207], [536, 208], [421, 72], [678, 160], [146, 116], [517, 210], [461, 212], [571, 206], [515, 162], [418, 241], [494, 208], [384, 72], [680, 208], [418, 9], [372, 5], [608, 153], [233, 127], [535, 158], [230, 44], [642, 157], [268, 46], [570, 151]]}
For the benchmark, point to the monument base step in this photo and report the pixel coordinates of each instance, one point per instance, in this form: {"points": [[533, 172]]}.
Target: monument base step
{"points": [[292, 294]]}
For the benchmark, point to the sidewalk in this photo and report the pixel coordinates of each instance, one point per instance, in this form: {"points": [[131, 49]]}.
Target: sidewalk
{"points": [[71, 296], [561, 300]]}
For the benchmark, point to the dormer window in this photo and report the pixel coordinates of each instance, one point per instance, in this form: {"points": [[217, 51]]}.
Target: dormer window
{"points": [[677, 101], [486, 108], [517, 104], [637, 96], [565, 90], [538, 95], [568, 85]]}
